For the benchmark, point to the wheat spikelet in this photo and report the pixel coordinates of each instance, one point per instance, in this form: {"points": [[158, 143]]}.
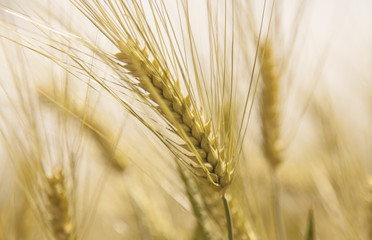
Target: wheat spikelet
{"points": [[59, 206], [177, 109], [269, 107]]}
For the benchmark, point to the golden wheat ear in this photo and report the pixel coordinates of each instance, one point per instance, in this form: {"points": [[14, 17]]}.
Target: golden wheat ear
{"points": [[154, 78]]}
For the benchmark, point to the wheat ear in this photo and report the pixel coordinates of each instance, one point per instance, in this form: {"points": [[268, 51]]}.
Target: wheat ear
{"points": [[270, 128], [177, 109], [59, 206], [155, 79], [269, 107]]}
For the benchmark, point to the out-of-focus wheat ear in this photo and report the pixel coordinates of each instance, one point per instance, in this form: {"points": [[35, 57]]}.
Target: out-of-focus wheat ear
{"points": [[151, 216], [269, 113], [212, 202], [242, 227], [102, 133], [59, 210], [269, 102], [153, 77], [203, 231]]}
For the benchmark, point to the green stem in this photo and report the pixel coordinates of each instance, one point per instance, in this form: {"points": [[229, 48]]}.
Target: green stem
{"points": [[228, 217], [279, 226]]}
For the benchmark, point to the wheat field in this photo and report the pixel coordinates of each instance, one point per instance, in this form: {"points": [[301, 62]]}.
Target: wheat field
{"points": [[185, 119]]}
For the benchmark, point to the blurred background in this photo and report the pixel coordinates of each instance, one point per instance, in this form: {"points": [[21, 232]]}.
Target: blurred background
{"points": [[74, 164]]}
